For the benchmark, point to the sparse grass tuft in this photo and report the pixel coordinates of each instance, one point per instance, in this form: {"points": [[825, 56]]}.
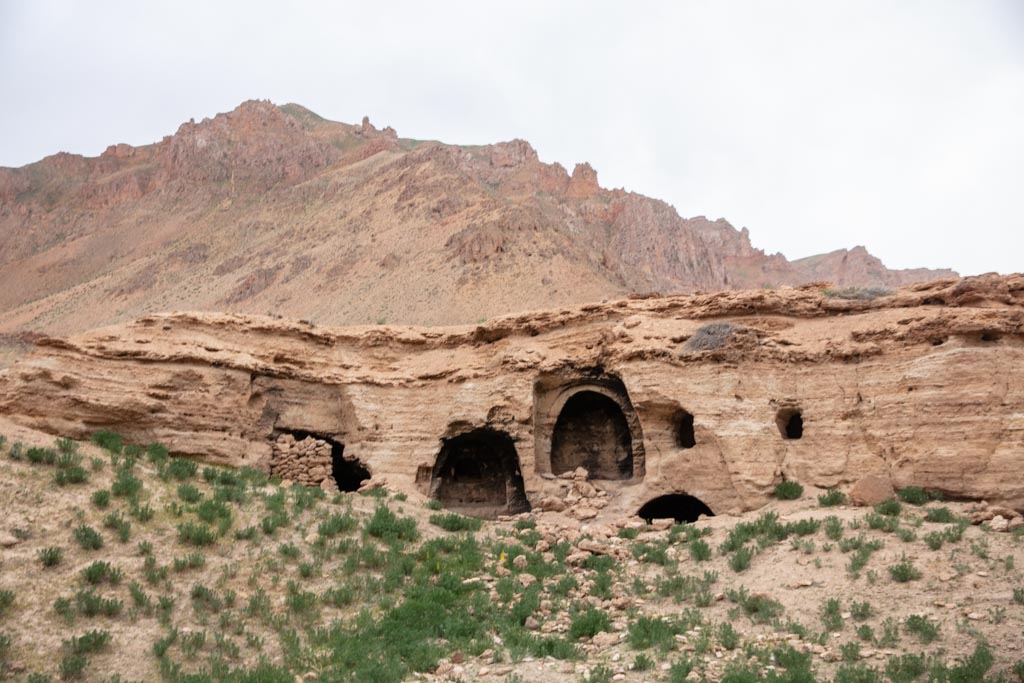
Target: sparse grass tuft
{"points": [[50, 557], [927, 631], [87, 537]]}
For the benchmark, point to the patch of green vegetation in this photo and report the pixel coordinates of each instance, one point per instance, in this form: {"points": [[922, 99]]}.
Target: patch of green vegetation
{"points": [[904, 571], [788, 490], [832, 498], [87, 537], [455, 522], [926, 630], [391, 528], [589, 622]]}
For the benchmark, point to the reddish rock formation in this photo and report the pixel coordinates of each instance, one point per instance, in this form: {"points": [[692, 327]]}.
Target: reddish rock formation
{"points": [[468, 231], [697, 395]]}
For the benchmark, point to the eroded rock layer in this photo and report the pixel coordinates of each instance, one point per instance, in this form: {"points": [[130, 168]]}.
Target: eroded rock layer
{"points": [[718, 397]]}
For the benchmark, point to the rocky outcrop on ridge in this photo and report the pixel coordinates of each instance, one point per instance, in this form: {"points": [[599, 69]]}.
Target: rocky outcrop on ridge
{"points": [[270, 209]]}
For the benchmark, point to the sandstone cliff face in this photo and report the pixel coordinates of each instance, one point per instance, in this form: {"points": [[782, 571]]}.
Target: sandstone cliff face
{"points": [[683, 394], [274, 209]]}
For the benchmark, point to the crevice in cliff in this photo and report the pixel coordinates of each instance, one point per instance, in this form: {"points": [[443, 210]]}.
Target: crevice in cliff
{"points": [[477, 473], [678, 506]]}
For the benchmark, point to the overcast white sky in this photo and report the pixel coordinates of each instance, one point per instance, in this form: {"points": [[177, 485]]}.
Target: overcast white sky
{"points": [[818, 125]]}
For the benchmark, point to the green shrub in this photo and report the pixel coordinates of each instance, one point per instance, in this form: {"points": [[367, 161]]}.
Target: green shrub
{"points": [[788, 490], [37, 455], [831, 615], [157, 454], [87, 643], [889, 508], [72, 666], [728, 638], [108, 440], [934, 539], [647, 632], [336, 524], [125, 484], [189, 494], [913, 495], [927, 631], [6, 600], [191, 533], [76, 474], [833, 528], [974, 667], [904, 571], [87, 537], [90, 604], [100, 498], [861, 610], [98, 572], [905, 668], [50, 557], [804, 527], [181, 469], [389, 527], [434, 504], [740, 559], [455, 522], [700, 550], [941, 515], [832, 498], [116, 522], [1018, 596], [589, 622]]}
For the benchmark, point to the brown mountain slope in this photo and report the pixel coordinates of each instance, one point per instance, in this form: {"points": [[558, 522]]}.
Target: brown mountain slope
{"points": [[274, 209]]}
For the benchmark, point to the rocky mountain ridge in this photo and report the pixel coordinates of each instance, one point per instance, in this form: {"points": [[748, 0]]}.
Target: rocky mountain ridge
{"points": [[273, 209]]}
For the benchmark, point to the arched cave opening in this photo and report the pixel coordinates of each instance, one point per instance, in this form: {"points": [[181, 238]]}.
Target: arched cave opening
{"points": [[477, 473], [678, 506], [683, 421], [790, 422], [592, 432]]}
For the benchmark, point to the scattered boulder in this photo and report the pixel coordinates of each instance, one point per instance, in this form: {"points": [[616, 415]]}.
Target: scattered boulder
{"points": [[872, 490]]}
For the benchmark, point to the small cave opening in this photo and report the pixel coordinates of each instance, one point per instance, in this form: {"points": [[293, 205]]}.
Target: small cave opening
{"points": [[678, 506], [477, 473], [347, 472], [790, 422], [989, 336], [683, 422], [592, 432]]}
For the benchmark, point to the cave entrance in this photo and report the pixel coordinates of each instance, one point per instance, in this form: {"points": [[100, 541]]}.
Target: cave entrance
{"points": [[592, 432], [348, 473], [685, 437], [477, 473], [678, 506], [790, 422]]}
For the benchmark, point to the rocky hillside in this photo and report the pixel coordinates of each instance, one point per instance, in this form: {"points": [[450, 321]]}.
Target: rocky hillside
{"points": [[272, 209]]}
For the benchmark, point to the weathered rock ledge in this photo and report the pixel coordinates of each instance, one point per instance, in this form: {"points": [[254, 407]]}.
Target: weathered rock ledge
{"points": [[654, 396]]}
